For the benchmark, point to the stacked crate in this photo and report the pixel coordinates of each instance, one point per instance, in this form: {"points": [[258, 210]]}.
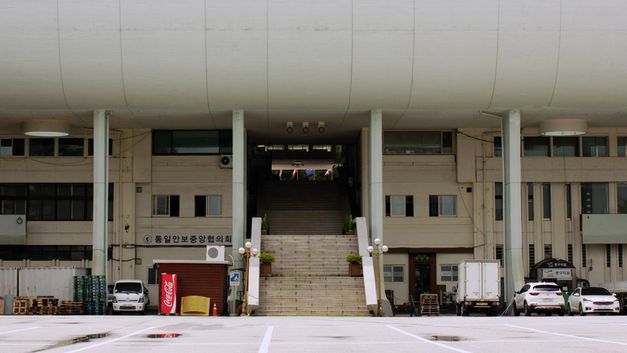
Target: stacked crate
{"points": [[21, 305], [92, 291], [44, 305]]}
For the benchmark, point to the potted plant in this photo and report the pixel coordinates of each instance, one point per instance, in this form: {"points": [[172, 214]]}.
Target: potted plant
{"points": [[265, 259], [354, 265], [265, 225], [349, 226]]}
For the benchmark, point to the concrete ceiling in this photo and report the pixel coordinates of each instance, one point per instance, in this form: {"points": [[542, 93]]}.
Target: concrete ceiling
{"points": [[426, 63]]}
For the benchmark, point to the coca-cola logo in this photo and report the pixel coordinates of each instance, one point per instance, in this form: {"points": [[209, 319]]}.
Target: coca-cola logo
{"points": [[169, 293]]}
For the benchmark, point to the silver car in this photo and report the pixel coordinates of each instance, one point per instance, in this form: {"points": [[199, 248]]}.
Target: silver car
{"points": [[593, 300]]}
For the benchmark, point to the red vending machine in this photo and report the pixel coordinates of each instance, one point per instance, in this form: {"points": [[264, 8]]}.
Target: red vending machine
{"points": [[168, 294]]}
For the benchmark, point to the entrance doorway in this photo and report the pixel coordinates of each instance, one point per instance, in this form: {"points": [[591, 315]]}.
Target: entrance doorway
{"points": [[422, 275]]}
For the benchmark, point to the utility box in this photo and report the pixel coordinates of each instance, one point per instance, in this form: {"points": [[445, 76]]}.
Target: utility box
{"points": [[478, 287], [13, 229]]}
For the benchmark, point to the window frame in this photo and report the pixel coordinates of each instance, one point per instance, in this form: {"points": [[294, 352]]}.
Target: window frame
{"points": [[442, 149], [452, 273], [391, 275], [439, 203]]}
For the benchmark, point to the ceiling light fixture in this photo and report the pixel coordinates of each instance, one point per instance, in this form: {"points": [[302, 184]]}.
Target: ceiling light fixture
{"points": [[305, 127], [563, 127], [289, 127], [46, 128], [321, 127]]}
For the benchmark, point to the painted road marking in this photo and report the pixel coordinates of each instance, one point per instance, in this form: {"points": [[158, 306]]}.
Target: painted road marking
{"points": [[110, 341], [567, 335], [19, 330], [427, 341], [266, 340]]}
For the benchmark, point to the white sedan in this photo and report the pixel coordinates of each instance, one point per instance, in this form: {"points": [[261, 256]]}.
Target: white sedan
{"points": [[593, 300]]}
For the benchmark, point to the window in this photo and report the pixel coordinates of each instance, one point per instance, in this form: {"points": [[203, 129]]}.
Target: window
{"points": [[532, 255], [393, 273], [417, 142], [498, 146], [570, 253], [11, 147], [594, 146], [442, 205], [620, 255], [47, 252], [546, 201], [622, 146], [584, 257], [594, 198], [399, 206], [548, 251], [448, 273], [530, 211], [536, 146], [51, 202], [498, 201], [90, 147], [71, 147], [41, 147], [565, 146], [191, 142], [208, 205], [165, 205], [569, 202], [608, 255], [499, 253], [621, 198]]}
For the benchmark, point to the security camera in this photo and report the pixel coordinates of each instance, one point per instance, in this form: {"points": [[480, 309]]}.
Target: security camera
{"points": [[321, 127], [289, 127], [305, 127]]}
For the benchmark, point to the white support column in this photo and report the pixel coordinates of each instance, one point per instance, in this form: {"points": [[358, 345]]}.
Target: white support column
{"points": [[239, 187], [101, 192], [376, 174], [512, 210]]}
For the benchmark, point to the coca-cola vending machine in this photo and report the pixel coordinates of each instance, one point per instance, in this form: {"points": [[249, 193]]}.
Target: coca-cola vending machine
{"points": [[168, 294]]}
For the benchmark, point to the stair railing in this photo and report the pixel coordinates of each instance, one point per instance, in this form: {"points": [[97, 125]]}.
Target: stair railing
{"points": [[370, 286], [253, 274]]}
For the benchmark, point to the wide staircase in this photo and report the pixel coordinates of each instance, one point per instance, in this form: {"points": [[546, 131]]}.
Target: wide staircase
{"points": [[310, 277], [310, 274]]}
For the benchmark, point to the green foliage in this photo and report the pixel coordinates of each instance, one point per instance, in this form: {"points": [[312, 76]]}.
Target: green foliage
{"points": [[266, 258], [265, 224], [349, 224], [353, 259]]}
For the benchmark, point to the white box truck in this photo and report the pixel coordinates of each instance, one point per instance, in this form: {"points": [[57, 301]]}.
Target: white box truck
{"points": [[478, 287]]}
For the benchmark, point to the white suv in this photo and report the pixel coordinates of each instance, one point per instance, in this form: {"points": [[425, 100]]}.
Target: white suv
{"points": [[130, 295], [539, 296]]}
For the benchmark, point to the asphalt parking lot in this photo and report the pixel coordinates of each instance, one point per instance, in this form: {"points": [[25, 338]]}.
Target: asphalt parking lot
{"points": [[312, 334]]}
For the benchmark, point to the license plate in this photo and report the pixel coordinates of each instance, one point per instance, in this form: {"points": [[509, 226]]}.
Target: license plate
{"points": [[481, 304], [547, 300]]}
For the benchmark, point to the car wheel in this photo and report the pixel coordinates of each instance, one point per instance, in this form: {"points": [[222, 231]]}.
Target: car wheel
{"points": [[561, 312], [465, 310], [527, 309], [516, 312], [548, 313], [581, 313]]}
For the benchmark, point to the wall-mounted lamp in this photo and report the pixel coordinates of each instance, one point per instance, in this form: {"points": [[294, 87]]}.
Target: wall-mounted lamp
{"points": [[46, 128], [321, 127], [563, 127], [289, 127], [305, 127]]}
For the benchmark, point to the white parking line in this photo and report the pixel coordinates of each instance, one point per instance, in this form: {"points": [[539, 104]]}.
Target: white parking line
{"points": [[427, 341], [266, 340], [110, 341], [19, 330], [566, 335]]}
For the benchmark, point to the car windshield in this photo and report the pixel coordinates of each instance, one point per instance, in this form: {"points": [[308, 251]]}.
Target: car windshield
{"points": [[128, 287], [546, 288], [595, 291]]}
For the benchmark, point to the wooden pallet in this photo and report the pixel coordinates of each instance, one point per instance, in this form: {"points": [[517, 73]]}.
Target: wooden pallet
{"points": [[429, 304], [21, 306], [69, 307]]}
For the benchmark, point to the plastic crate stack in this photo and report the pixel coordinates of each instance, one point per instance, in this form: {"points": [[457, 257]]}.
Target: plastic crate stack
{"points": [[92, 291]]}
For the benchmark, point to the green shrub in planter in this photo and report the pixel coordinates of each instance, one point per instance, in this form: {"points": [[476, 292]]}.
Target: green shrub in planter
{"points": [[353, 259], [266, 258]]}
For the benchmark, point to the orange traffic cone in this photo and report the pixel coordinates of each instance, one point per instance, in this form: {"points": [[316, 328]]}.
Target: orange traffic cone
{"points": [[214, 310]]}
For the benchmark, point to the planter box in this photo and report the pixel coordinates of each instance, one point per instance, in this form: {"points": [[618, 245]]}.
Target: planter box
{"points": [[265, 269], [355, 270]]}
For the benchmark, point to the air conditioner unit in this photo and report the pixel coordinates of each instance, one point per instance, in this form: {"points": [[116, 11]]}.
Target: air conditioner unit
{"points": [[226, 161], [215, 253]]}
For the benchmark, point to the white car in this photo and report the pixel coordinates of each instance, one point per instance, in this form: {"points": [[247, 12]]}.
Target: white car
{"points": [[130, 295], [539, 297], [593, 300]]}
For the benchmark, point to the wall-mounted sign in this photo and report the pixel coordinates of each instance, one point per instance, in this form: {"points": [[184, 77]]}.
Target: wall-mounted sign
{"points": [[177, 239], [557, 273]]}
